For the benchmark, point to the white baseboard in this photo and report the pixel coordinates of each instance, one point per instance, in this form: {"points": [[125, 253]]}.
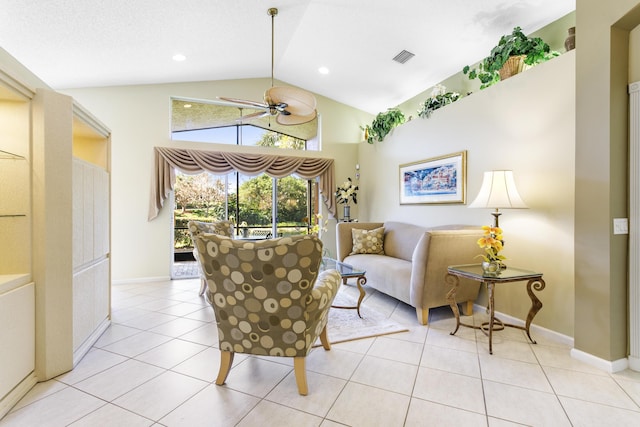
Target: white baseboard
{"points": [[534, 329], [634, 363], [605, 365], [17, 393], [141, 280], [84, 348], [609, 366]]}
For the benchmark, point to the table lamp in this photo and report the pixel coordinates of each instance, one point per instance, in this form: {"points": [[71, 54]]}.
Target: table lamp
{"points": [[498, 191]]}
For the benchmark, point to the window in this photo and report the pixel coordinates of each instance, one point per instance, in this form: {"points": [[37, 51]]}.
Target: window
{"points": [[260, 206], [247, 201], [217, 122]]}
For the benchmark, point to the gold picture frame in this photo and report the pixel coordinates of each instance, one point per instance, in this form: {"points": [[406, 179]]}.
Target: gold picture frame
{"points": [[438, 180]]}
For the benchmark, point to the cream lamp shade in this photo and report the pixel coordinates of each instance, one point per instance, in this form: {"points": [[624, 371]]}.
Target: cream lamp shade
{"points": [[498, 191]]}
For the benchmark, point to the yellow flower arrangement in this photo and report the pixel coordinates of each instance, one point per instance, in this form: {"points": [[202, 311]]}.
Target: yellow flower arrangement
{"points": [[318, 226], [492, 243]]}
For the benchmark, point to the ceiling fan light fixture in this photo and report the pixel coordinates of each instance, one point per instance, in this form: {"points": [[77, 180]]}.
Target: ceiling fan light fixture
{"points": [[288, 120], [299, 102]]}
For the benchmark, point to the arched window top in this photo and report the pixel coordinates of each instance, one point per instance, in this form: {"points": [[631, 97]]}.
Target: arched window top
{"points": [[220, 122]]}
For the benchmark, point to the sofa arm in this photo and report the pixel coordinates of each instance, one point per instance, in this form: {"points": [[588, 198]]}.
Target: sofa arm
{"points": [[436, 250], [344, 239]]}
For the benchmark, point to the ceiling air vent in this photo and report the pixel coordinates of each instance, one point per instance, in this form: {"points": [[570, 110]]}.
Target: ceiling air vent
{"points": [[403, 56]]}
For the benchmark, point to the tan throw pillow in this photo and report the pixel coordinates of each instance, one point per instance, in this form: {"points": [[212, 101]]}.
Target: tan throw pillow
{"points": [[368, 241]]}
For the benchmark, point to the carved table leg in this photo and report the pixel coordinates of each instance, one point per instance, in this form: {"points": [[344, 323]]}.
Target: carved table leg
{"points": [[360, 281], [451, 298], [490, 289], [536, 304]]}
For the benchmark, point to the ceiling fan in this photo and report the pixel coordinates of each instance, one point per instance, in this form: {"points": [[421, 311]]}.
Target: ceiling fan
{"points": [[289, 105]]}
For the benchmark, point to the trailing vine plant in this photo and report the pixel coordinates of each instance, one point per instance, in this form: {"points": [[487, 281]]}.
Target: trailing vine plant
{"points": [[438, 99], [383, 124]]}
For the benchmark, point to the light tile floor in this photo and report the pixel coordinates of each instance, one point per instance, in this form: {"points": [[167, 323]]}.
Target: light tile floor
{"points": [[156, 364]]}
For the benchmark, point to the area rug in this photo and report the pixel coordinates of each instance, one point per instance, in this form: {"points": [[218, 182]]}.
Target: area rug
{"points": [[345, 325]]}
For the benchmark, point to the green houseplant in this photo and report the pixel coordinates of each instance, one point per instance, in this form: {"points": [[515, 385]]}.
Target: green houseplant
{"points": [[438, 99], [533, 49], [383, 124]]}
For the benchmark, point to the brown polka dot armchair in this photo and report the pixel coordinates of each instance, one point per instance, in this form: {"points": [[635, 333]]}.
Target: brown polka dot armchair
{"points": [[268, 297], [223, 228]]}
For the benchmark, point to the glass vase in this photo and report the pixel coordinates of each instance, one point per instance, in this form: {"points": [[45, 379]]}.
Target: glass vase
{"points": [[491, 268], [346, 213]]}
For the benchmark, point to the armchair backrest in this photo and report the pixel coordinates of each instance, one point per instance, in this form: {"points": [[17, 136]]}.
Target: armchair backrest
{"points": [[261, 292], [223, 228]]}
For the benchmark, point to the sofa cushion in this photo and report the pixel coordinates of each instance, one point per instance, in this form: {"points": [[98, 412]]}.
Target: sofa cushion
{"points": [[386, 274], [368, 241]]}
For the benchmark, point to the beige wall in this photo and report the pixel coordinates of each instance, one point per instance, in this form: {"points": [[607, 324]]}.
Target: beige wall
{"points": [[602, 69], [525, 124], [139, 118], [554, 34], [634, 55]]}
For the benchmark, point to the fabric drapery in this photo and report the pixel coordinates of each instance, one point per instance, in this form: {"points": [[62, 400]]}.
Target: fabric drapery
{"points": [[167, 160]]}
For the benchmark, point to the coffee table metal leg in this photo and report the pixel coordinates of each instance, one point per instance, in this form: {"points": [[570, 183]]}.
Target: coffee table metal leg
{"points": [[451, 298], [536, 304], [490, 289], [360, 281]]}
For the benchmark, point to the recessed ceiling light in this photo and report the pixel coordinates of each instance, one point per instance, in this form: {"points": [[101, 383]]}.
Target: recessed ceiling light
{"points": [[187, 105], [323, 70], [179, 57]]}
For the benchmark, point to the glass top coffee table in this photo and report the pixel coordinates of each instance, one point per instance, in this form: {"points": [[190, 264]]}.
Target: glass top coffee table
{"points": [[347, 272]]}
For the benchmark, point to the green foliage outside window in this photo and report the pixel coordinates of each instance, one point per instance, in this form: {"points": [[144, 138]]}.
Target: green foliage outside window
{"points": [[202, 198]]}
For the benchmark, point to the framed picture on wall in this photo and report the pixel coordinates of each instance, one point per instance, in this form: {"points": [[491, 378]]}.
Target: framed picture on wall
{"points": [[432, 181]]}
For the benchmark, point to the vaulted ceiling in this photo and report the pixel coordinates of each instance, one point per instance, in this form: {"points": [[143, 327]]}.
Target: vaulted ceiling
{"points": [[88, 43]]}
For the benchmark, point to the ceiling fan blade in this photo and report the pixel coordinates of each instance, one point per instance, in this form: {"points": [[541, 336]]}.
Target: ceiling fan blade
{"points": [[293, 119], [244, 102], [256, 115], [299, 102]]}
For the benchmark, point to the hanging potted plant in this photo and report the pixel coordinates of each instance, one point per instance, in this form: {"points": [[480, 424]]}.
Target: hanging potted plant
{"points": [[383, 124], [509, 57]]}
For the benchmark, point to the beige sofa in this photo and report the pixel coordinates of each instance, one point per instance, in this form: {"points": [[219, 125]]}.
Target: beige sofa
{"points": [[415, 260]]}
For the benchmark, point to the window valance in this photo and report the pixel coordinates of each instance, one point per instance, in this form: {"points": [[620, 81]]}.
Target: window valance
{"points": [[167, 160]]}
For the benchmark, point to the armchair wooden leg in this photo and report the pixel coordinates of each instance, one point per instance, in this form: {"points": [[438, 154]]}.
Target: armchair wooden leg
{"points": [[324, 340], [467, 309], [423, 315], [301, 375], [203, 286], [226, 360]]}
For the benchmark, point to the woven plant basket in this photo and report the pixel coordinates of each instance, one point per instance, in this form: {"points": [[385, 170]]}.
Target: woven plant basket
{"points": [[513, 66]]}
